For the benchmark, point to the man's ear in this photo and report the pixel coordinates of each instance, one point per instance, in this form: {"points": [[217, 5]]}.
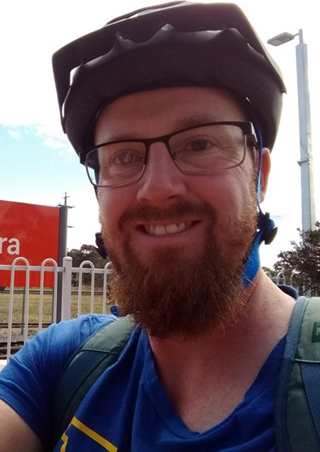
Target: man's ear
{"points": [[265, 171]]}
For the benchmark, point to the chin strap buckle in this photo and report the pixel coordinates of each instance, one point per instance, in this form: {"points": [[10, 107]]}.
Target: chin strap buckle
{"points": [[267, 227]]}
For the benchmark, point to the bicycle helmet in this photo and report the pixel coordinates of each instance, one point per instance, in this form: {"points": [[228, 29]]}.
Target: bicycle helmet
{"points": [[174, 44]]}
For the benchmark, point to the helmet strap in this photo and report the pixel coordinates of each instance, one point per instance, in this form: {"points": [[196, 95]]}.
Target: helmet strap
{"points": [[266, 229], [100, 246]]}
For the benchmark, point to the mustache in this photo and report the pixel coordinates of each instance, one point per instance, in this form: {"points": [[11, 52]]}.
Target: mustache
{"points": [[179, 209]]}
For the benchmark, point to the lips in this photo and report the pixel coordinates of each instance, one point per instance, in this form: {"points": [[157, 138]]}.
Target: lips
{"points": [[166, 229]]}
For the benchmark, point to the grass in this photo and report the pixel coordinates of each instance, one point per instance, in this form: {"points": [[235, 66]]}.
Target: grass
{"points": [[34, 300]]}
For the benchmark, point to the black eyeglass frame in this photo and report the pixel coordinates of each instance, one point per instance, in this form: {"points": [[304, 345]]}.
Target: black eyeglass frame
{"points": [[247, 128]]}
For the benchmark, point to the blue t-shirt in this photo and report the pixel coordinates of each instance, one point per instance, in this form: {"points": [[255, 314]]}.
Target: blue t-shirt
{"points": [[127, 408]]}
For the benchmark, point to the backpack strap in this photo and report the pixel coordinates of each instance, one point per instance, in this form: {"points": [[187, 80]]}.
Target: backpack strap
{"points": [[90, 360], [297, 406]]}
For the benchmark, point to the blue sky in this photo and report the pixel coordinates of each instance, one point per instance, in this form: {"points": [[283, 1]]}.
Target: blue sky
{"points": [[40, 169], [28, 152], [39, 166]]}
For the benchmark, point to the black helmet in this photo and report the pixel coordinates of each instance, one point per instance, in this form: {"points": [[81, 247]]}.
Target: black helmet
{"points": [[174, 44]]}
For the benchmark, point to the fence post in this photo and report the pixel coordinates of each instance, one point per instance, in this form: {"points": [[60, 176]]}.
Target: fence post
{"points": [[278, 278], [66, 289], [62, 252], [23, 309]]}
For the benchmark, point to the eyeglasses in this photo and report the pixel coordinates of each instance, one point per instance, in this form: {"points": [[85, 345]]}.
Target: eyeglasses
{"points": [[206, 148]]}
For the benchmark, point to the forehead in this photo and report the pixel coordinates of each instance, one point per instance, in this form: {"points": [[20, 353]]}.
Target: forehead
{"points": [[157, 112]]}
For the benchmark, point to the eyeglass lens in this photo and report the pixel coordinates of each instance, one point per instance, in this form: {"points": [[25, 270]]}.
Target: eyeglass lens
{"points": [[209, 148]]}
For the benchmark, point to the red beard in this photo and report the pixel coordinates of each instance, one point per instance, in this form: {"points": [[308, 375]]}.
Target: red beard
{"points": [[171, 296]]}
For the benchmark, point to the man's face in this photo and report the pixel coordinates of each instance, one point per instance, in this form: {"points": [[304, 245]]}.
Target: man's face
{"points": [[178, 242]]}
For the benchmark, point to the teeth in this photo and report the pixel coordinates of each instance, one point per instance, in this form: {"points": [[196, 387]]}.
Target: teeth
{"points": [[172, 228], [160, 230], [182, 226], [169, 229]]}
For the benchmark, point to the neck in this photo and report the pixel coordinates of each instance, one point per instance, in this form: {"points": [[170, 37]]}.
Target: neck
{"points": [[190, 368], [261, 303]]}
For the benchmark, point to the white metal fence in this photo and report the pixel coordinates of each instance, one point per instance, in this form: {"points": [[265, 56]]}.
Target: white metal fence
{"points": [[66, 297]]}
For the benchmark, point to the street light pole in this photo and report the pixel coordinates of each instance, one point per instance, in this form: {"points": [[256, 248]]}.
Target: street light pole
{"points": [[306, 159]]}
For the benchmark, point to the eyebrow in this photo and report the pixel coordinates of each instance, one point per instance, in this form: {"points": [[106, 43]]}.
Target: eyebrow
{"points": [[178, 124], [194, 120]]}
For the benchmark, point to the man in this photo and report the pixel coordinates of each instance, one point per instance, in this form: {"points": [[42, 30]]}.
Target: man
{"points": [[172, 111]]}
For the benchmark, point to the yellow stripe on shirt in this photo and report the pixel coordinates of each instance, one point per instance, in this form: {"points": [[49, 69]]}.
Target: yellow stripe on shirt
{"points": [[93, 435], [64, 442]]}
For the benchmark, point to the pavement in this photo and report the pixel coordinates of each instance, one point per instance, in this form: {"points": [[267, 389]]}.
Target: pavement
{"points": [[3, 362]]}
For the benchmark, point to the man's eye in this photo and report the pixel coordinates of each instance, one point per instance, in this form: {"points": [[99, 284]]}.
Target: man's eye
{"points": [[200, 144], [127, 158]]}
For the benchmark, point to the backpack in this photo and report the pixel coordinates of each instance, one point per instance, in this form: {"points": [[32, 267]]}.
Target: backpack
{"points": [[84, 367], [297, 404]]}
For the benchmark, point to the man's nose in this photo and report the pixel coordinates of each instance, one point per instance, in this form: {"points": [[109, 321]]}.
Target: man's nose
{"points": [[162, 181]]}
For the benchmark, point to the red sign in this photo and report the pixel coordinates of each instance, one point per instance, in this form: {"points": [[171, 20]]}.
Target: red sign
{"points": [[29, 231]]}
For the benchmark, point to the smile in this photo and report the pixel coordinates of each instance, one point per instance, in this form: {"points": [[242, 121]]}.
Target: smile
{"points": [[168, 229]]}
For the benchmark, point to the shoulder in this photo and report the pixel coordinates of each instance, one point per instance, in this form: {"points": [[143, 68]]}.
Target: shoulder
{"points": [[48, 351], [28, 382], [52, 347]]}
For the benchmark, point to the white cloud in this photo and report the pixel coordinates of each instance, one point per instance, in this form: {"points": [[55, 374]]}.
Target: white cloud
{"points": [[15, 134], [55, 143]]}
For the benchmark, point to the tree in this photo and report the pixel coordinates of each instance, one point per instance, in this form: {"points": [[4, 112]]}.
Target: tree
{"points": [[270, 272], [88, 253], [301, 265]]}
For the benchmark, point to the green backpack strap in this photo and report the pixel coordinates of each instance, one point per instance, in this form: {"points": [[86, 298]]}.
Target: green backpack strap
{"points": [[90, 360], [297, 407]]}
